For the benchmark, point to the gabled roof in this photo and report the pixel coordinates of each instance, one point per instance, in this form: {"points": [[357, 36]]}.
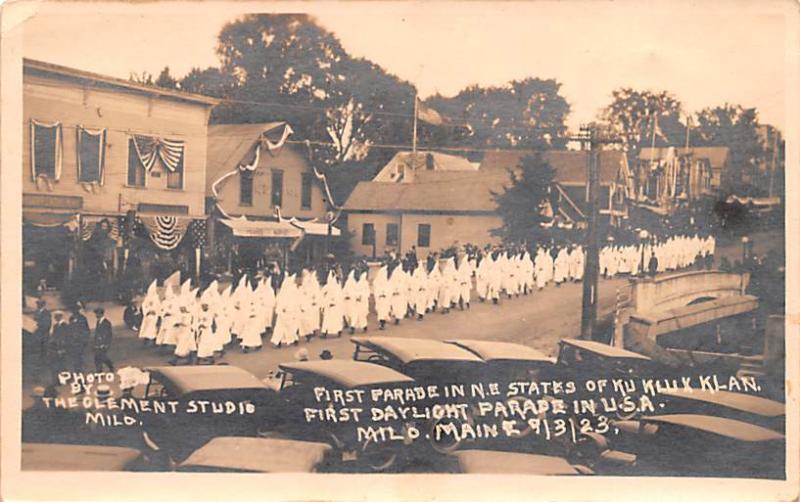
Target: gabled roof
{"points": [[717, 155], [32, 66], [229, 144], [570, 165], [462, 190], [442, 191]]}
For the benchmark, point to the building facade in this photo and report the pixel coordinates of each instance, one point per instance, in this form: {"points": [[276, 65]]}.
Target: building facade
{"points": [[668, 176], [431, 202], [105, 159], [267, 202]]}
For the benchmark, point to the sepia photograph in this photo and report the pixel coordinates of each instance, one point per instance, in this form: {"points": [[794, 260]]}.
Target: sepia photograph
{"points": [[366, 238]]}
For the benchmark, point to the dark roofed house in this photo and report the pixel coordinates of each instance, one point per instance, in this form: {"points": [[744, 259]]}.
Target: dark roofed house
{"points": [[435, 204]]}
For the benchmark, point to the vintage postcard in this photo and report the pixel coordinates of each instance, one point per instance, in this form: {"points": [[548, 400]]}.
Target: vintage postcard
{"points": [[400, 250]]}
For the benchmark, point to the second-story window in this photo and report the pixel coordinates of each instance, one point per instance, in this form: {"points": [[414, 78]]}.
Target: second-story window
{"points": [[245, 187], [277, 188], [305, 192], [45, 150], [136, 170], [148, 150], [175, 176], [91, 154]]}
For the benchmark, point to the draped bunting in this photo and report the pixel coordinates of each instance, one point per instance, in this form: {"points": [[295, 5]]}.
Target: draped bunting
{"points": [[148, 149], [36, 172], [90, 162], [252, 166], [166, 232], [89, 224], [287, 131]]}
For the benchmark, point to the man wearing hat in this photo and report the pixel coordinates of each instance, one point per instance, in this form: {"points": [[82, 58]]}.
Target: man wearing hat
{"points": [[79, 336], [326, 355], [102, 341], [43, 325], [58, 344]]}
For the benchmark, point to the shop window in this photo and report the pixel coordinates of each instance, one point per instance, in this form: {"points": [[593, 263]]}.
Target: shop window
{"points": [[245, 187], [136, 170], [277, 188], [305, 193]]}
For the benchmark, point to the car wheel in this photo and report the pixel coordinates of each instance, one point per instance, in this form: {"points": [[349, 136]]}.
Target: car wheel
{"points": [[377, 457]]}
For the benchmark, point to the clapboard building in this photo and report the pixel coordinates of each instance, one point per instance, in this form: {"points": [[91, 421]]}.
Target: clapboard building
{"points": [[267, 202], [432, 201], [106, 160]]}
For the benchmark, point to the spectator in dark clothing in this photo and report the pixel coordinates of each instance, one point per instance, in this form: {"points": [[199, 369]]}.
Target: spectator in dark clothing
{"points": [[132, 316], [58, 345], [102, 341], [652, 266], [43, 325], [79, 334], [709, 259]]}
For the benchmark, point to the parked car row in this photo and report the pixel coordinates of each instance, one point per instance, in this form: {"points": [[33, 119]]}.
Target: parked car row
{"points": [[292, 429]]}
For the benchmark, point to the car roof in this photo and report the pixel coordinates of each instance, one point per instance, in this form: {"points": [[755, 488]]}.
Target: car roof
{"points": [[76, 457], [186, 379], [725, 427], [348, 373], [257, 454], [502, 462], [735, 400], [493, 351], [416, 349], [603, 349]]}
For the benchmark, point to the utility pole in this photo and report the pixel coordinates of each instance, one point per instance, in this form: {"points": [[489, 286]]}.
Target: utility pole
{"points": [[774, 162], [589, 137]]}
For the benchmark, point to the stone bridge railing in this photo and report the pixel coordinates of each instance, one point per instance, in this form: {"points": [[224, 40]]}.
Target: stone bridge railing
{"points": [[678, 290]]}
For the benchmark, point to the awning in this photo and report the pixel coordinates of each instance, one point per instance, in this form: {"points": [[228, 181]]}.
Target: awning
{"points": [[315, 227], [247, 228], [49, 219]]}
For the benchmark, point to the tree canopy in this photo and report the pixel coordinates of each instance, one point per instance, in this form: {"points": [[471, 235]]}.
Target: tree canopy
{"points": [[521, 204]]}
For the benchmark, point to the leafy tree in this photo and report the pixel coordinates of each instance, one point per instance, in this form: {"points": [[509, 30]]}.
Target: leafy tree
{"points": [[166, 80], [737, 128], [210, 82], [304, 76], [520, 204], [639, 117], [528, 113]]}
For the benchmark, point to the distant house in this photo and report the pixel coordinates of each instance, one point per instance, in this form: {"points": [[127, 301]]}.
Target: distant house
{"points": [[433, 201], [667, 175], [571, 181], [266, 199]]}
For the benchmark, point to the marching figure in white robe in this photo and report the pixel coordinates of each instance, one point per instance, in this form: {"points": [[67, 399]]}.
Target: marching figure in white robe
{"points": [[287, 323], [381, 293], [421, 297], [350, 301], [332, 310], [206, 341], [150, 309], [361, 306], [310, 302], [482, 279], [184, 335], [222, 335], [398, 288], [464, 275]]}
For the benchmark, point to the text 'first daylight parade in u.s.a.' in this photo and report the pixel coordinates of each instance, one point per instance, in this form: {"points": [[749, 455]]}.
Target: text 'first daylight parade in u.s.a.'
{"points": [[271, 243]]}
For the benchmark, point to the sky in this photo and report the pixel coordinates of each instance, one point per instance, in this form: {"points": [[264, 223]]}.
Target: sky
{"points": [[705, 53]]}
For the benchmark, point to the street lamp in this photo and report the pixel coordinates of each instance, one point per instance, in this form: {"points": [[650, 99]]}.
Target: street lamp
{"points": [[643, 235], [745, 242]]}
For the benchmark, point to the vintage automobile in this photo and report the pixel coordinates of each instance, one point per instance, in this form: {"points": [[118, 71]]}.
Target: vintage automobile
{"points": [[701, 445], [506, 361], [502, 462], [722, 403], [426, 361], [248, 454], [298, 382], [78, 457], [199, 403], [585, 357]]}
